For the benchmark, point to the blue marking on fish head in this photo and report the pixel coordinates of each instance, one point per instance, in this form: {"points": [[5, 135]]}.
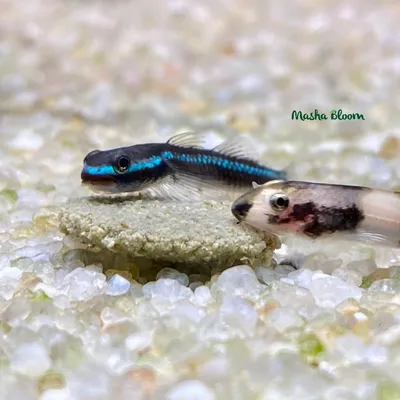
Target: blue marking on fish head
{"points": [[122, 170]]}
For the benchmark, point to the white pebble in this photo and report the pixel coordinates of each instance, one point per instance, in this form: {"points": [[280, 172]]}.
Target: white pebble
{"points": [[4, 262], [190, 389], [11, 273], [375, 354], [83, 284], [390, 286], [26, 140], [62, 302], [168, 288], [284, 318], [214, 369], [352, 277], [240, 281], [237, 312], [330, 291], [138, 341], [50, 290], [202, 295], [56, 394], [30, 359], [363, 267], [30, 198], [8, 177], [8, 287], [118, 286], [21, 216], [170, 273], [351, 347], [302, 277]]}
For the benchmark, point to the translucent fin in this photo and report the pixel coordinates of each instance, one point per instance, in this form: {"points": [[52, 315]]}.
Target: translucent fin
{"points": [[372, 238], [290, 171], [255, 185], [240, 147], [269, 183], [184, 188], [189, 139]]}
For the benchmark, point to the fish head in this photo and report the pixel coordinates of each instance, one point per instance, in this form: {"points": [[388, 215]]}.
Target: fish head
{"points": [[125, 169], [270, 207]]}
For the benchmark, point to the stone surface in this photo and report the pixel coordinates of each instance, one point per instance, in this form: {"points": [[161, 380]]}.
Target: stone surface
{"points": [[199, 234]]}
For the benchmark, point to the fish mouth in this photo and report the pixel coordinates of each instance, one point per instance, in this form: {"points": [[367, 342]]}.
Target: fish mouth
{"points": [[98, 183], [98, 187], [240, 209]]}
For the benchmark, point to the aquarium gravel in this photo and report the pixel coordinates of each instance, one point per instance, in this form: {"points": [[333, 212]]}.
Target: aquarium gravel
{"points": [[321, 321]]}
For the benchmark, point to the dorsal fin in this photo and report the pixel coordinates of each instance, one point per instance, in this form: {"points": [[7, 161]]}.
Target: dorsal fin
{"points": [[240, 147], [188, 139], [290, 170]]}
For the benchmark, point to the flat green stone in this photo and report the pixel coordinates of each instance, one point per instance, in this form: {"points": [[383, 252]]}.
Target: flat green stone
{"points": [[171, 232]]}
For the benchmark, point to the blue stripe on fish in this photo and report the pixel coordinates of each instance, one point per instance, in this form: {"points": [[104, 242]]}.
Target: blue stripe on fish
{"points": [[221, 162], [109, 170], [168, 155]]}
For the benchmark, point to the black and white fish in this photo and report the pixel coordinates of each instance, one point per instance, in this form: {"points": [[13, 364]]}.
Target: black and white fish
{"points": [[319, 210]]}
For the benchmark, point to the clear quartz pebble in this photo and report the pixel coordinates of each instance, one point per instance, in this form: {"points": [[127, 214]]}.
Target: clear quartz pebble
{"points": [[202, 295], [83, 284], [30, 359], [390, 286], [238, 313], [167, 288], [56, 394], [329, 291], [350, 276], [118, 286], [190, 389], [239, 280], [302, 277], [284, 318], [169, 273]]}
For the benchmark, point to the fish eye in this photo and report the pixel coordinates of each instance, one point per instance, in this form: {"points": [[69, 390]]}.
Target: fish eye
{"points": [[279, 202], [122, 164]]}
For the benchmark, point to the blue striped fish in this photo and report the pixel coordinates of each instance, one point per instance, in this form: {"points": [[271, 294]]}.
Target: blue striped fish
{"points": [[182, 160]]}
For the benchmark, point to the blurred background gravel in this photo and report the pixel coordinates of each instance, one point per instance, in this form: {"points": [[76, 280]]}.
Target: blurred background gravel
{"points": [[75, 76]]}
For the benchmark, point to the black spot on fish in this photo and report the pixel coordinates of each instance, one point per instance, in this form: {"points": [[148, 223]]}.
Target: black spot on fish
{"points": [[322, 219], [274, 219], [327, 219], [240, 210]]}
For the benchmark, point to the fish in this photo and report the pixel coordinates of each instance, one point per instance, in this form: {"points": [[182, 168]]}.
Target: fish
{"points": [[322, 211], [181, 163]]}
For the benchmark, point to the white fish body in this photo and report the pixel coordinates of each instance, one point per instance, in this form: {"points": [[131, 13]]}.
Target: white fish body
{"points": [[319, 210]]}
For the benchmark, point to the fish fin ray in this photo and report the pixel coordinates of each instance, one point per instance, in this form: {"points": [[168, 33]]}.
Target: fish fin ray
{"points": [[183, 187], [368, 237], [240, 147], [189, 139], [200, 180], [290, 171], [205, 187], [168, 189]]}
